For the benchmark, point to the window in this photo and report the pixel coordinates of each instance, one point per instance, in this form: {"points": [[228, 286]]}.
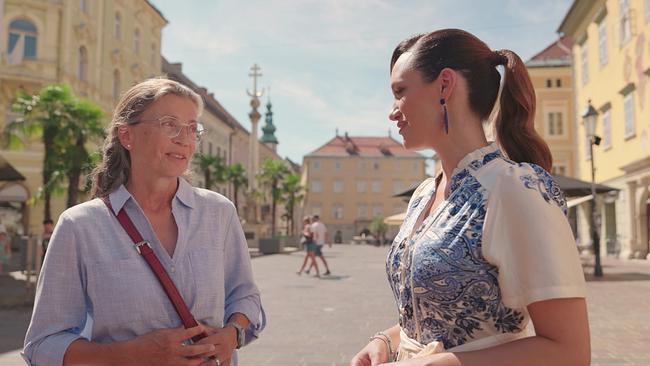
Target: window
{"points": [[602, 42], [337, 211], [376, 186], [555, 123], [362, 211], [375, 166], [136, 41], [361, 186], [337, 186], [647, 10], [83, 4], [377, 210], [607, 129], [628, 107], [82, 68], [337, 166], [558, 83], [584, 63], [22, 35], [117, 85], [118, 26], [625, 21], [316, 186], [549, 83], [315, 165]]}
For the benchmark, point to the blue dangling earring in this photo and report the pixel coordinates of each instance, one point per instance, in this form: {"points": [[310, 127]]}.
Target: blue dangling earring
{"points": [[446, 117]]}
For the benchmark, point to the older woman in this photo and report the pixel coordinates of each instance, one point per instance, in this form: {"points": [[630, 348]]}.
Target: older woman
{"points": [[98, 301]]}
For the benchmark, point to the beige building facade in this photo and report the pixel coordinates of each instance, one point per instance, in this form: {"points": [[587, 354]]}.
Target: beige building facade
{"points": [[351, 180], [98, 47], [611, 68]]}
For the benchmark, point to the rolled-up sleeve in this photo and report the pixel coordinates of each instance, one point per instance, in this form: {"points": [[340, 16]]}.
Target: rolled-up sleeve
{"points": [[60, 309], [242, 295]]}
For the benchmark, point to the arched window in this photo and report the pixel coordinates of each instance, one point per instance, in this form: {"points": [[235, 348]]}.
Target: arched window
{"points": [[136, 41], [82, 69], [117, 85], [118, 26], [23, 34]]}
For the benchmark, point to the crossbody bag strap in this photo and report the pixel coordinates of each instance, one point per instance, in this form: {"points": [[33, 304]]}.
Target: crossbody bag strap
{"points": [[157, 268]]}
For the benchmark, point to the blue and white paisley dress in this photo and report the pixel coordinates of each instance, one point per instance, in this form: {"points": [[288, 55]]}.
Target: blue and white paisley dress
{"points": [[498, 243]]}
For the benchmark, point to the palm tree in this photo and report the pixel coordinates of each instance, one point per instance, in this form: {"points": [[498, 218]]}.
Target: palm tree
{"points": [[237, 176], [85, 125], [63, 124], [212, 168], [293, 192], [271, 175]]}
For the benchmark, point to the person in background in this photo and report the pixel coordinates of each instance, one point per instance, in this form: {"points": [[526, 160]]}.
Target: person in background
{"points": [[321, 236], [307, 240], [48, 229]]}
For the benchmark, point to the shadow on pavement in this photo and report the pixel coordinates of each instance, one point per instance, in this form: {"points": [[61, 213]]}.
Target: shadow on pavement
{"points": [[617, 277]]}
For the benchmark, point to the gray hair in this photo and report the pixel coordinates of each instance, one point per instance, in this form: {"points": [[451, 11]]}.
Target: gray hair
{"points": [[115, 167]]}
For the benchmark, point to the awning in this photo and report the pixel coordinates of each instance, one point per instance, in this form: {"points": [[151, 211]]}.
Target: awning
{"points": [[396, 219], [8, 172], [572, 187]]}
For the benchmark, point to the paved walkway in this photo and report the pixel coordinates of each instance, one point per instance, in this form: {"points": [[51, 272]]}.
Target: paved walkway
{"points": [[324, 322]]}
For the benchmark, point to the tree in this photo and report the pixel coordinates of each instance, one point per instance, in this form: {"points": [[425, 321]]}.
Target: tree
{"points": [[271, 175], [293, 192], [212, 168], [379, 227], [85, 125], [63, 124], [236, 175]]}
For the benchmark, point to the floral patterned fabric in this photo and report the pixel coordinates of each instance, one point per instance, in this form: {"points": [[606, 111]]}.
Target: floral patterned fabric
{"points": [[445, 287]]}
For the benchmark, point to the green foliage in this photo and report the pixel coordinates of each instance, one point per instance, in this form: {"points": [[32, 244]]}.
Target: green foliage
{"points": [[63, 124], [271, 175]]}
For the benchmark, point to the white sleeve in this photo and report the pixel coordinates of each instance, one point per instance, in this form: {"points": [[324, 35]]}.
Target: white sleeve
{"points": [[528, 237]]}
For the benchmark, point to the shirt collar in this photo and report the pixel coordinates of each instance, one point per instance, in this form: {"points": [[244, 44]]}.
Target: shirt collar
{"points": [[184, 194]]}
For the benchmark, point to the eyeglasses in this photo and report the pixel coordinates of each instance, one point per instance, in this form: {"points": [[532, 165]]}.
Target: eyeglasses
{"points": [[172, 127]]}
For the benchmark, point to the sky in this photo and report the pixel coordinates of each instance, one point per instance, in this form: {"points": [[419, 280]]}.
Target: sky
{"points": [[325, 63]]}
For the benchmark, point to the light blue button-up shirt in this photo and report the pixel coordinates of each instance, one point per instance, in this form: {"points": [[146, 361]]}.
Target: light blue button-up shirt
{"points": [[95, 285]]}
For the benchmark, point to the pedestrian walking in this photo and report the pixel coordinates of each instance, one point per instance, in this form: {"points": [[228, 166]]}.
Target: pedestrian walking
{"points": [[321, 237], [307, 240], [149, 255], [483, 269]]}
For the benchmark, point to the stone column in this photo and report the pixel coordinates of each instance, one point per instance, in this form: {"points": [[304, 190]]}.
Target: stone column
{"points": [[628, 252]]}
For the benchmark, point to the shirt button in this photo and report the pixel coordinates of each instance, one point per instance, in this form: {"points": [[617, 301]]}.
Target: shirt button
{"points": [[173, 269]]}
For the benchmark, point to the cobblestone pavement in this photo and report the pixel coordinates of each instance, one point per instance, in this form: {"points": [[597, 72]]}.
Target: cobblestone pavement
{"points": [[324, 322]]}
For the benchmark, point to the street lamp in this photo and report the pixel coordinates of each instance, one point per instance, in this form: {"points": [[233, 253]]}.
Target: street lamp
{"points": [[589, 117]]}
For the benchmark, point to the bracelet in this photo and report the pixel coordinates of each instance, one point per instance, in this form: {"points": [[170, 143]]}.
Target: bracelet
{"points": [[386, 339]]}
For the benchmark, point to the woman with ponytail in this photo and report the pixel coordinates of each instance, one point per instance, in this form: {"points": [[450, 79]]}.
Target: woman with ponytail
{"points": [[484, 269], [189, 268]]}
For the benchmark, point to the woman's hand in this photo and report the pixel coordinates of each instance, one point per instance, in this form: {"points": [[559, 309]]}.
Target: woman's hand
{"points": [[373, 354], [167, 347], [224, 341]]}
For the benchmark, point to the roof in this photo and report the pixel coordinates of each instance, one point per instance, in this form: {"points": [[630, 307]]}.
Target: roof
{"points": [[175, 72], [363, 146], [157, 11], [557, 53]]}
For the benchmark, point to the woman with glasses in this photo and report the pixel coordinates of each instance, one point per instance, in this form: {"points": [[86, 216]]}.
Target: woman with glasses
{"points": [[484, 269], [98, 301]]}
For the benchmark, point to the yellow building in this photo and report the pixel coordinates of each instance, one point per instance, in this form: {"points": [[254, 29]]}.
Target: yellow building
{"points": [[552, 76], [611, 67], [98, 47], [351, 180]]}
